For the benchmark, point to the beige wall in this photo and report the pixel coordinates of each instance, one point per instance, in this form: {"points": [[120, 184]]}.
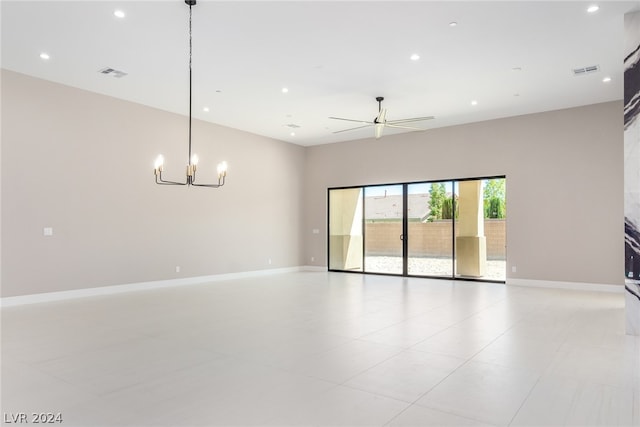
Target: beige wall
{"points": [[564, 184], [82, 163]]}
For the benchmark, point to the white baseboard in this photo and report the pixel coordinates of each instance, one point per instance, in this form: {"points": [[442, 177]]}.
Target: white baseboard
{"points": [[141, 286], [575, 286], [315, 268], [158, 284]]}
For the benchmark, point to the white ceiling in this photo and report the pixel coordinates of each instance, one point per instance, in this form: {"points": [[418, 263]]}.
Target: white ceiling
{"points": [[335, 57]]}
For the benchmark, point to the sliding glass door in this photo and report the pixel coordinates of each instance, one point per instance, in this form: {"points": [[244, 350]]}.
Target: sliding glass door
{"points": [[430, 227], [383, 221], [345, 229], [442, 229], [480, 242]]}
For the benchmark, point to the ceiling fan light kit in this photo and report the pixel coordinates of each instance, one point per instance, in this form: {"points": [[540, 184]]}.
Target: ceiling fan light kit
{"points": [[192, 159], [380, 121]]}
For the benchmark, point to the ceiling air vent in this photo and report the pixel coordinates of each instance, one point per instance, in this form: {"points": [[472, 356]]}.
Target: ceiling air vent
{"points": [[112, 72], [586, 70], [292, 126]]}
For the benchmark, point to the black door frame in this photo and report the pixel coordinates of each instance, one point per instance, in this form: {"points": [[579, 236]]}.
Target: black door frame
{"points": [[405, 229]]}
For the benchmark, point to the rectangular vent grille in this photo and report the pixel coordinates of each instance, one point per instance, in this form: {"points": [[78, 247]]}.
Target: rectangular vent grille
{"points": [[112, 72], [586, 70]]}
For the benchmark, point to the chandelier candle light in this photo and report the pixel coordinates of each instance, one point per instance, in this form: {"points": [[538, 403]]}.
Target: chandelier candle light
{"points": [[193, 159]]}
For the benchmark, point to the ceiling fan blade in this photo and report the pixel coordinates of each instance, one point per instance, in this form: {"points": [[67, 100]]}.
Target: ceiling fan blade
{"points": [[345, 130], [352, 120], [381, 116], [378, 129], [403, 127], [415, 119]]}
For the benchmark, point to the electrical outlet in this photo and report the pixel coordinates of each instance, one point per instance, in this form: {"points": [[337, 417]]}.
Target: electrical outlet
{"points": [[269, 261], [177, 269], [513, 268], [313, 258]]}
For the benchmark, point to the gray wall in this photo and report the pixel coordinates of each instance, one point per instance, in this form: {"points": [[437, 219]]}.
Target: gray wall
{"points": [[564, 184], [82, 163]]}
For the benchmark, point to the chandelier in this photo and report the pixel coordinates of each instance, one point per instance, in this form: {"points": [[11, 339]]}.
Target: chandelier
{"points": [[193, 159]]}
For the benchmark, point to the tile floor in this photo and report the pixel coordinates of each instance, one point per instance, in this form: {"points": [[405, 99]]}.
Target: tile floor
{"points": [[325, 349]]}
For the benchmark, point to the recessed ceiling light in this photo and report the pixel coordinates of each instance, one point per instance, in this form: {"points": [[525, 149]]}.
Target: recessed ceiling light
{"points": [[474, 102], [118, 13], [292, 134], [285, 90], [44, 55], [606, 79], [593, 8], [453, 24], [415, 57], [205, 109]]}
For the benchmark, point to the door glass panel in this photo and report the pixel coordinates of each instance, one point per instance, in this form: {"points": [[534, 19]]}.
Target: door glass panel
{"points": [[495, 227], [481, 229], [430, 228], [383, 213], [345, 229]]}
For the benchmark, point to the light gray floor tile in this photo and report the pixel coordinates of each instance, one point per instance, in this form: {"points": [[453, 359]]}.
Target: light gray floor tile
{"points": [[636, 408], [566, 401], [325, 348], [482, 391], [406, 376], [617, 367], [405, 334], [457, 342], [420, 416], [343, 406], [345, 361], [519, 352]]}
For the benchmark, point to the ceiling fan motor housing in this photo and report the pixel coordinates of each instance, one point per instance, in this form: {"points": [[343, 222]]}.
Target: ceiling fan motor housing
{"points": [[380, 121]]}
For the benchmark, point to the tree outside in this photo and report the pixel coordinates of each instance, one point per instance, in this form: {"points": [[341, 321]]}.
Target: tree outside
{"points": [[436, 200], [495, 205], [441, 205]]}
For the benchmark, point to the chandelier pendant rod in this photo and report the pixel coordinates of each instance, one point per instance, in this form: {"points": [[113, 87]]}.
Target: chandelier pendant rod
{"points": [[191, 161], [190, 81]]}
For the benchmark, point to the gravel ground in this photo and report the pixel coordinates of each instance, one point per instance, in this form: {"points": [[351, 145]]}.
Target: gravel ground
{"points": [[495, 270]]}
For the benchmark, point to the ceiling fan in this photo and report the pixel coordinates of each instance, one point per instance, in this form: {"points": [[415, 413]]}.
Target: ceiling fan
{"points": [[380, 121]]}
